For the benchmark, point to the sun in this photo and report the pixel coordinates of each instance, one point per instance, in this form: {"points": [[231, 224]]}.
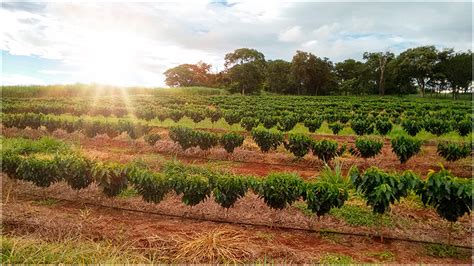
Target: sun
{"points": [[110, 59]]}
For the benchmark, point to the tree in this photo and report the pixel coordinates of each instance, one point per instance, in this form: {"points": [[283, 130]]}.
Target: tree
{"points": [[457, 68], [351, 75], [186, 75], [418, 64], [310, 73], [278, 76], [378, 62], [245, 69]]}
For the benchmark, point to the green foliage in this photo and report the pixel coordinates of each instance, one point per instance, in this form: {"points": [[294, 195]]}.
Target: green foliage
{"points": [[464, 127], [227, 189], [359, 216], [313, 124], [446, 251], [287, 123], [269, 121], [411, 126], [232, 117], [76, 170], [231, 140], [453, 151], [336, 127], [110, 177], [405, 147], [280, 189], [367, 147], [197, 115], [437, 126], [381, 189], [249, 123], [205, 140], [383, 126], [184, 136], [322, 196], [450, 196], [299, 144], [325, 149], [152, 138], [362, 126], [41, 172], [153, 187], [267, 139]]}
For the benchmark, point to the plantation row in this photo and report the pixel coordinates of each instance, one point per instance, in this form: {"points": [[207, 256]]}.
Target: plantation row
{"points": [[298, 144], [450, 196]]}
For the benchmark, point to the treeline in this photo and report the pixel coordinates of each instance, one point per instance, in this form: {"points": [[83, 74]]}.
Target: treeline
{"points": [[422, 69]]}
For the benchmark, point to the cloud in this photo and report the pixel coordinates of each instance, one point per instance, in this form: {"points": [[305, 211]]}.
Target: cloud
{"points": [[150, 37], [16, 79]]}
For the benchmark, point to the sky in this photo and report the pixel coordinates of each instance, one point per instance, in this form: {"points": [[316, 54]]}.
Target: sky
{"points": [[133, 43]]}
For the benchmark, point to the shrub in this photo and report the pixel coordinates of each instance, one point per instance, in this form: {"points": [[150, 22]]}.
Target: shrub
{"points": [[152, 138], [362, 126], [184, 136], [269, 121], [111, 177], [195, 188], [176, 115], [336, 127], [313, 124], [299, 144], [367, 147], [267, 139], [280, 189], [153, 187], [453, 151], [450, 196], [248, 123], [405, 147], [464, 127], [411, 126], [231, 140], [228, 189], [197, 115], [206, 140], [325, 149], [383, 126], [287, 123], [213, 114], [75, 170], [437, 126], [321, 197], [41, 172], [232, 117]]}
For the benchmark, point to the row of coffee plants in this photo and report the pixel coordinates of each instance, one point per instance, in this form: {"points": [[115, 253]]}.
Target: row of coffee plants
{"points": [[450, 196]]}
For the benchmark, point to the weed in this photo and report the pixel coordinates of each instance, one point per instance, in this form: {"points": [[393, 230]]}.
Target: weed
{"points": [[446, 251], [357, 215]]}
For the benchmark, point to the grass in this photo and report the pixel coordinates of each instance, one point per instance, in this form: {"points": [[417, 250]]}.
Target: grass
{"points": [[446, 251], [28, 146], [360, 216], [385, 256], [336, 258], [127, 193], [23, 250]]}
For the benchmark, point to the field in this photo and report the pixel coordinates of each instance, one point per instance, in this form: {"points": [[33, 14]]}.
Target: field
{"points": [[195, 175]]}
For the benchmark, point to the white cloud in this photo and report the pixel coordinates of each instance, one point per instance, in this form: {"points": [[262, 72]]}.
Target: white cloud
{"points": [[16, 79], [293, 34]]}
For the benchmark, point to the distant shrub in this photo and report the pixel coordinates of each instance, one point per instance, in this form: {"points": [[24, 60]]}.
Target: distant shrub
{"points": [[231, 140]]}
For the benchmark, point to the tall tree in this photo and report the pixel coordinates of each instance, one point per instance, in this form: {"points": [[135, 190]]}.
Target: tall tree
{"points": [[245, 69], [310, 73], [351, 75], [278, 76], [186, 75], [419, 64], [378, 62], [457, 69]]}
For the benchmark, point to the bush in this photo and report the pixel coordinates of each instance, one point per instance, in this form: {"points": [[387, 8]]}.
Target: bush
{"points": [[232, 117], [184, 136], [153, 187], [266, 139], [336, 127], [280, 189], [367, 147], [437, 126], [325, 149], [405, 147], [313, 124], [362, 126], [248, 123], [195, 188], [383, 126], [464, 127], [412, 127], [206, 140], [269, 121], [453, 151], [197, 115], [228, 189], [176, 115], [213, 114], [152, 138], [450, 196], [321, 197], [287, 123], [111, 177], [75, 170], [230, 141], [299, 144]]}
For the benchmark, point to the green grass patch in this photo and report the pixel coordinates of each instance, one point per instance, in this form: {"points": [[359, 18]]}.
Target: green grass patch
{"points": [[384, 256], [336, 258], [360, 216], [446, 251], [28, 146]]}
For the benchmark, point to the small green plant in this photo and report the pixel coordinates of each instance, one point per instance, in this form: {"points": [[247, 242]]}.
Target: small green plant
{"points": [[412, 126], [337, 259], [367, 147], [153, 187], [280, 189], [383, 126], [287, 123], [249, 123], [298, 144], [405, 147], [228, 189], [325, 149], [231, 140], [206, 140], [362, 126], [453, 151], [269, 121], [232, 117], [184, 136], [464, 127], [446, 251], [267, 139], [111, 177], [152, 138], [313, 124], [437, 126]]}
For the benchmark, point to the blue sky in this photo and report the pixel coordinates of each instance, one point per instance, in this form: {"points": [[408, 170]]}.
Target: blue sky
{"points": [[131, 43]]}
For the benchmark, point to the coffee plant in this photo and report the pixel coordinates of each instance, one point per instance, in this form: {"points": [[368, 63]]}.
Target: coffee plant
{"points": [[110, 177], [152, 138], [299, 144], [383, 126], [367, 147], [280, 189], [228, 188], [231, 140], [405, 147], [313, 124], [267, 139], [325, 149], [362, 126], [454, 151], [336, 127], [248, 123], [287, 123], [411, 126]]}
